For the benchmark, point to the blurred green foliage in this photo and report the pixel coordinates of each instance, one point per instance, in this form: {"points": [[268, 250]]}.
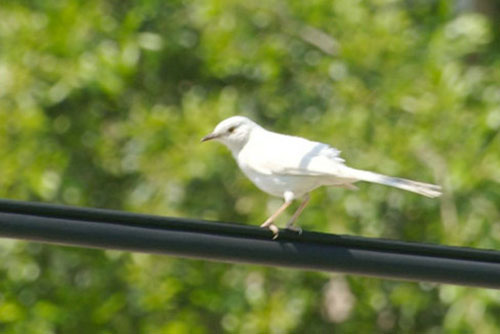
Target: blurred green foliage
{"points": [[102, 104]]}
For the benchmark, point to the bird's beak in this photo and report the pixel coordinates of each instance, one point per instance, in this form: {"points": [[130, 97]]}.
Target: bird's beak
{"points": [[209, 137]]}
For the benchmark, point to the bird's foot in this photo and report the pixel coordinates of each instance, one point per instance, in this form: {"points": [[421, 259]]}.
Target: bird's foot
{"points": [[295, 228], [272, 227]]}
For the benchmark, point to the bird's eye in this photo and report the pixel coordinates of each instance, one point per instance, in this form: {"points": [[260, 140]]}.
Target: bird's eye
{"points": [[231, 129]]}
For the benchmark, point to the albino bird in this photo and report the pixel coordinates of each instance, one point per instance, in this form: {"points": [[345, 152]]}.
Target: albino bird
{"points": [[290, 167]]}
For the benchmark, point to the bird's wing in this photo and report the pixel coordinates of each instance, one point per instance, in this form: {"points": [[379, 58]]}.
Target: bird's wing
{"points": [[279, 154]]}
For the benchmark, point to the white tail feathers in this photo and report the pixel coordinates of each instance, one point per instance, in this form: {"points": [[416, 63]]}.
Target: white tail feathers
{"points": [[425, 189]]}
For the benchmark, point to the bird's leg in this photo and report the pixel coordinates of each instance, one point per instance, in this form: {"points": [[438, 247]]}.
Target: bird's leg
{"points": [[269, 221], [296, 215], [276, 214]]}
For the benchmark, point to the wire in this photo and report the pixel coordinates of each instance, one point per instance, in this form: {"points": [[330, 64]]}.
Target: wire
{"points": [[108, 229]]}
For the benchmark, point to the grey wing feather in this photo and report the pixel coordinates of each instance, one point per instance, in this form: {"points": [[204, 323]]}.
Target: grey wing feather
{"points": [[310, 159]]}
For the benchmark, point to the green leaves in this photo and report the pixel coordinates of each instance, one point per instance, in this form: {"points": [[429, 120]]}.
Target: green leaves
{"points": [[104, 104]]}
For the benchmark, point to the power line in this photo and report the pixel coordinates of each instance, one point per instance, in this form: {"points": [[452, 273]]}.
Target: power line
{"points": [[108, 229]]}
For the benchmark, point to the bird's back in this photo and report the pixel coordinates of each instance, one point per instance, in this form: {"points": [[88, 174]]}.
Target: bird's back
{"points": [[274, 153]]}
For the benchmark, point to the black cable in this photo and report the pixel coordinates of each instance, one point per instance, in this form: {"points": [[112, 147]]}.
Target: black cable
{"points": [[250, 244]]}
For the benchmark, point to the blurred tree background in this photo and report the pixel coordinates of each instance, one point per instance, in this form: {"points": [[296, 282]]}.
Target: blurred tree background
{"points": [[103, 104]]}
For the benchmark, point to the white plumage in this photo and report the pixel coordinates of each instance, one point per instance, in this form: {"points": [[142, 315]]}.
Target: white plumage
{"points": [[290, 167]]}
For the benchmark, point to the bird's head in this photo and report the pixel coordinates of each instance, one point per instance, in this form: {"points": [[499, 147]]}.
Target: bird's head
{"points": [[233, 132]]}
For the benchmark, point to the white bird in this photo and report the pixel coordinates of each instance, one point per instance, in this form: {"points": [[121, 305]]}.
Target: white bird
{"points": [[290, 167]]}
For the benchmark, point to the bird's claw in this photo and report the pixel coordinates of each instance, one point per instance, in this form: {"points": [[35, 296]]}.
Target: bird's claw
{"points": [[273, 229], [296, 229]]}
